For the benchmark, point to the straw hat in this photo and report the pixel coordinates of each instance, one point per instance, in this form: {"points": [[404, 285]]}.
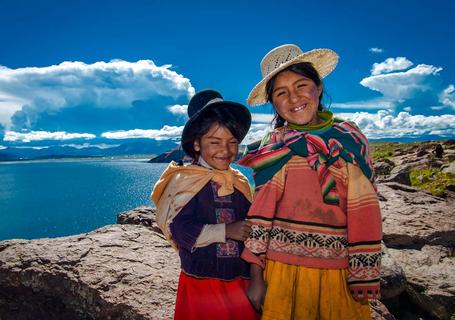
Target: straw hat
{"points": [[207, 100], [279, 58]]}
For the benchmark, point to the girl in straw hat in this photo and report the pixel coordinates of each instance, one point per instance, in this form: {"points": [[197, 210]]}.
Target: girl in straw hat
{"points": [[315, 244], [201, 209]]}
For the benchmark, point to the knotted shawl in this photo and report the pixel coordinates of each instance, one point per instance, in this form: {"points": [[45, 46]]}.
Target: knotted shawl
{"points": [[322, 145], [179, 184]]}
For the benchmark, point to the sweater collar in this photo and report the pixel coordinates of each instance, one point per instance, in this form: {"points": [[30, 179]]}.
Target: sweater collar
{"points": [[327, 121]]}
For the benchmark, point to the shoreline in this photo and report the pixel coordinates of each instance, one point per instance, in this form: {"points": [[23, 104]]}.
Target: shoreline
{"points": [[76, 159]]}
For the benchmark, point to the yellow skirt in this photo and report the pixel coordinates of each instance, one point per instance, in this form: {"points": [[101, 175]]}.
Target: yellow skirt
{"points": [[297, 292]]}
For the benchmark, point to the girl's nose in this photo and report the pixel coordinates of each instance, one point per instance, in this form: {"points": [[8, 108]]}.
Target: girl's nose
{"points": [[225, 149], [293, 97]]}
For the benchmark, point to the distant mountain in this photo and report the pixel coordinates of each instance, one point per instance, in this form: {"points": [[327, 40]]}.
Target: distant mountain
{"points": [[6, 156], [147, 147], [175, 154]]}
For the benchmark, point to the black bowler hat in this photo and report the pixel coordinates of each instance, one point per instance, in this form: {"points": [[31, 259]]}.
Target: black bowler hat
{"points": [[208, 101]]}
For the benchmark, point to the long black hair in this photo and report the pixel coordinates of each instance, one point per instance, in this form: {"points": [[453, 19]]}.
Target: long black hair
{"points": [[305, 69]]}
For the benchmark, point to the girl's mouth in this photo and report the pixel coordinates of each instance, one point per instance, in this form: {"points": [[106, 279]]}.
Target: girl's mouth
{"points": [[299, 108]]}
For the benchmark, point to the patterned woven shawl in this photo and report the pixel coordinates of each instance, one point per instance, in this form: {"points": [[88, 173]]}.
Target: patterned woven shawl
{"points": [[322, 148]]}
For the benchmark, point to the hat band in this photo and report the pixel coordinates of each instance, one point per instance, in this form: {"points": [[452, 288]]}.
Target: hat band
{"points": [[213, 101]]}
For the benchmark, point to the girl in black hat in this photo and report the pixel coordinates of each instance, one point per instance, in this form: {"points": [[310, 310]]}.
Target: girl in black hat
{"points": [[201, 209]]}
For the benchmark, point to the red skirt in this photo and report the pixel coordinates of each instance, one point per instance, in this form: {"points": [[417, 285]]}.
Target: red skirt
{"points": [[209, 299]]}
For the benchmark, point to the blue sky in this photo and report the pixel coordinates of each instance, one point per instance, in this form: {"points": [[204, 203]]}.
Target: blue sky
{"points": [[105, 72]]}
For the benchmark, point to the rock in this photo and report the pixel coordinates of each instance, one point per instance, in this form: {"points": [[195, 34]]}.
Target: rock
{"points": [[419, 231], [402, 187], [393, 279], [430, 274], [382, 168], [449, 168], [116, 272], [144, 216], [390, 162], [413, 218], [379, 311], [433, 163], [400, 174], [421, 153]]}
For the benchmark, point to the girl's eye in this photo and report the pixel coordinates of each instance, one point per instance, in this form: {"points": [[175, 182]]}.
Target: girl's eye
{"points": [[301, 85], [279, 93]]}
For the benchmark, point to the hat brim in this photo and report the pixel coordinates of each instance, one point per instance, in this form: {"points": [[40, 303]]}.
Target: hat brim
{"points": [[238, 111], [323, 60]]}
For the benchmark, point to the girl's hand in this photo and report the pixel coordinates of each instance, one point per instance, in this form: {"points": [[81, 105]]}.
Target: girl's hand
{"points": [[239, 230], [257, 288]]}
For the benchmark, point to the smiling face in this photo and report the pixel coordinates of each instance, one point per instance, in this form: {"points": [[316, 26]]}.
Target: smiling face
{"points": [[218, 147], [296, 98]]}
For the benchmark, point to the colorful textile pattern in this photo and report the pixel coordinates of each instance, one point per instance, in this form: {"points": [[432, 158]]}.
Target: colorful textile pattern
{"points": [[322, 149], [230, 248], [315, 205]]}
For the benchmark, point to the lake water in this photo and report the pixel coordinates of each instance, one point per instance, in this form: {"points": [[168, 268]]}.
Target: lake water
{"points": [[60, 198]]}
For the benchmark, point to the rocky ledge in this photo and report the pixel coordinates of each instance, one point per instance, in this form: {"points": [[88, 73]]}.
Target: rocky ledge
{"points": [[116, 272]]}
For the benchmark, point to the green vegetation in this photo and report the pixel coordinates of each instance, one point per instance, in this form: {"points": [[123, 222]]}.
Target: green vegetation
{"points": [[383, 150], [387, 150], [432, 180]]}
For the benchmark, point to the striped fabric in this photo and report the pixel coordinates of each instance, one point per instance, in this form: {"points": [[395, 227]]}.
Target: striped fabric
{"points": [[320, 210], [322, 149]]}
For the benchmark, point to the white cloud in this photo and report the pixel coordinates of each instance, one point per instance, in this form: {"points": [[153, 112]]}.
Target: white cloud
{"points": [[2, 147], [44, 135], [114, 84], [34, 147], [257, 132], [262, 117], [390, 64], [408, 109], [447, 96], [373, 104], [178, 109], [376, 50], [9, 104], [166, 132], [384, 124], [402, 85], [89, 145]]}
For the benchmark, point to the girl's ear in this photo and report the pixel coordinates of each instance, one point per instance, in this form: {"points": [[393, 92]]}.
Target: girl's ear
{"points": [[196, 146]]}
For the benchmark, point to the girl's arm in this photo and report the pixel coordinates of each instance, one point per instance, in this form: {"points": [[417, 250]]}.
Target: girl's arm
{"points": [[185, 228], [257, 288], [190, 234], [364, 236], [215, 233]]}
